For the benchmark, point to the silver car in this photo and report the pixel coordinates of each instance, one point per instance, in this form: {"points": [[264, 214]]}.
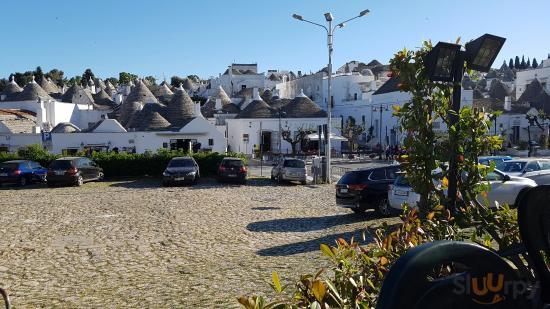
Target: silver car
{"points": [[535, 169], [289, 169], [181, 169]]}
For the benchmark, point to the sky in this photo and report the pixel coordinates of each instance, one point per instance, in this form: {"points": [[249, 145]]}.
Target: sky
{"points": [[164, 38]]}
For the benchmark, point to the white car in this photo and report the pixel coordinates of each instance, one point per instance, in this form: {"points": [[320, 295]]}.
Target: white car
{"points": [[535, 169], [505, 189]]}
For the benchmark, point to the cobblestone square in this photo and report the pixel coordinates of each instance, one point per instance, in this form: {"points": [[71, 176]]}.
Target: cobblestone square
{"points": [[136, 244]]}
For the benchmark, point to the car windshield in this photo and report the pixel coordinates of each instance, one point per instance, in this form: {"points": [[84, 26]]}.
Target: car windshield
{"points": [[181, 163], [61, 164], [232, 163], [9, 166], [510, 167], [294, 163], [402, 181]]}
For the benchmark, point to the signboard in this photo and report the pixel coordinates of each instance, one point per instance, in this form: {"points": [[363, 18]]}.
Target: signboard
{"points": [[46, 136]]}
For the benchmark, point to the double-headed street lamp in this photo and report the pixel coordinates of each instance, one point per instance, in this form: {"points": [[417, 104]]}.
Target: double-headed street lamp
{"points": [[445, 63], [330, 33]]}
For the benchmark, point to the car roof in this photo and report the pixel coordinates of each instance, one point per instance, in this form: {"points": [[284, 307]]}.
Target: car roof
{"points": [[68, 158], [370, 169], [232, 158], [182, 158], [15, 161]]}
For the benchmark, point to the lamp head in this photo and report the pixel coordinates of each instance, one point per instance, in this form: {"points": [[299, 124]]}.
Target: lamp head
{"points": [[482, 52], [363, 13], [341, 25], [298, 17], [440, 61], [328, 16]]}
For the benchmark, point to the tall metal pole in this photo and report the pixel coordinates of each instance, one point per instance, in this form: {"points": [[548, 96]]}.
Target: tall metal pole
{"points": [[380, 133], [329, 105], [453, 120]]}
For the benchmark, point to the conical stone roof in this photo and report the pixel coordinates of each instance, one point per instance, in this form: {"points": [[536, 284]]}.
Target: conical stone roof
{"points": [[180, 108], [12, 89], [48, 86], [531, 92], [127, 111], [149, 119], [209, 108], [140, 92], [303, 107], [33, 92], [187, 84], [256, 109], [65, 127], [69, 93], [110, 89], [103, 99]]}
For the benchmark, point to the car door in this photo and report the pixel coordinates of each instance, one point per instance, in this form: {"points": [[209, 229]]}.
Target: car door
{"points": [[503, 192], [84, 167], [544, 175], [531, 170], [94, 169], [378, 185]]}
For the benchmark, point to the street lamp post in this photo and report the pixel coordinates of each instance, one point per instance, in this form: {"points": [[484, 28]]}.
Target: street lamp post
{"points": [[445, 63], [330, 33], [381, 108]]}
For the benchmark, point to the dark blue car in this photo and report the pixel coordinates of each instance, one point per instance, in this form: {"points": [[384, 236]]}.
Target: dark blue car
{"points": [[22, 172]]}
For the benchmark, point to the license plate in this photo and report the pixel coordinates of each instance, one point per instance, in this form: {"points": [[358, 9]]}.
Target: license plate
{"points": [[401, 193], [60, 172], [179, 178], [3, 174], [231, 175], [343, 190]]}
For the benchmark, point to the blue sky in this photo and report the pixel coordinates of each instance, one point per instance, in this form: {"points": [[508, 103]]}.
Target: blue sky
{"points": [[203, 37]]}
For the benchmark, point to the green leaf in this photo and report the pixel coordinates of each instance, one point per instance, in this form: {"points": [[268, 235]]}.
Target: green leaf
{"points": [[276, 282], [326, 250]]}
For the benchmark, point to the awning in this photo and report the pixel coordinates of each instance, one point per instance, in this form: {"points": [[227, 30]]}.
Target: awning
{"points": [[333, 137]]}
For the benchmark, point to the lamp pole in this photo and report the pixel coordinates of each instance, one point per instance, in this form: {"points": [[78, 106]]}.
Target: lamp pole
{"points": [[330, 34]]}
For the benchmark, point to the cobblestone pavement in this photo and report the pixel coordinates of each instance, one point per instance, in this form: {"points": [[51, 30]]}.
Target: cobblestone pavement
{"points": [[136, 244]]}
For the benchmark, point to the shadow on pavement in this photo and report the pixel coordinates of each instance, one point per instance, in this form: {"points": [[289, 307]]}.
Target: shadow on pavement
{"points": [[307, 224], [314, 244]]}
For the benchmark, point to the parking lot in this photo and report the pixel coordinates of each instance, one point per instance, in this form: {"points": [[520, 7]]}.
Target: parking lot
{"points": [[133, 243]]}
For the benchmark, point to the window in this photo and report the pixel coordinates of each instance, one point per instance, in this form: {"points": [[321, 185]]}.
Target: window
{"points": [[379, 174], [363, 119], [492, 176], [391, 173], [210, 142], [181, 163], [294, 163], [243, 87], [331, 101], [544, 165], [532, 166], [355, 96]]}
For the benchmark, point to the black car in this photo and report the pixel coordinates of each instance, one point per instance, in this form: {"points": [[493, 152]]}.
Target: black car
{"points": [[73, 171], [232, 169], [362, 189], [181, 170]]}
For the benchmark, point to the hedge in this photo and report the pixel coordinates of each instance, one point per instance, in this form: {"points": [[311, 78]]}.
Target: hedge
{"points": [[129, 164]]}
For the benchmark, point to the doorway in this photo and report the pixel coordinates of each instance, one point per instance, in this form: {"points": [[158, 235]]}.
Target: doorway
{"points": [[266, 141]]}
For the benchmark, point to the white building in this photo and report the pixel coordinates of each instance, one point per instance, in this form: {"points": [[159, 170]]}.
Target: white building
{"points": [[526, 77]]}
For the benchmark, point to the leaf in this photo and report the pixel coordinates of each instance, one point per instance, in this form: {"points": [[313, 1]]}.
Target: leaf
{"points": [[276, 282], [383, 261], [326, 250], [319, 290], [315, 305], [431, 215]]}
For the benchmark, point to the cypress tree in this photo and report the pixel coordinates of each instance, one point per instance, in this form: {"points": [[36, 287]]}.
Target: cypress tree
{"points": [[517, 64], [511, 63], [535, 63], [523, 65], [528, 63]]}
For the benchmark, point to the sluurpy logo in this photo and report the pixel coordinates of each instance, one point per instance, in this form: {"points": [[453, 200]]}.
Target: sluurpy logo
{"points": [[493, 288]]}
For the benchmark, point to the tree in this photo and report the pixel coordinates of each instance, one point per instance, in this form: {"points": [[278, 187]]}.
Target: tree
{"points": [[194, 78], [535, 63], [151, 80], [76, 80], [125, 78], [86, 76], [511, 63], [38, 74], [528, 65], [352, 131], [56, 76], [517, 64], [23, 78], [523, 65], [3, 83], [112, 80], [300, 136], [176, 81]]}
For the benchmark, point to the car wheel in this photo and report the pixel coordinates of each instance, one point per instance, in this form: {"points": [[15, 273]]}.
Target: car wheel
{"points": [[79, 181], [359, 210], [101, 176], [272, 178], [383, 208], [23, 181]]}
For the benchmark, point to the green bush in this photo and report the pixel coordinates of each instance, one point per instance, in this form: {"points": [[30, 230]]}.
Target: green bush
{"points": [[129, 164]]}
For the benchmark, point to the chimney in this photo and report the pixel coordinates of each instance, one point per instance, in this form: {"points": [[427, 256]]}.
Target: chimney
{"points": [[299, 73], [198, 110], [508, 103], [218, 105]]}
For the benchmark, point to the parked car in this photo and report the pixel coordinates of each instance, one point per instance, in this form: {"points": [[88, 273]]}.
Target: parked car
{"points": [[181, 170], [535, 169], [362, 189], [289, 169], [22, 172], [497, 159], [232, 169], [505, 189], [73, 171]]}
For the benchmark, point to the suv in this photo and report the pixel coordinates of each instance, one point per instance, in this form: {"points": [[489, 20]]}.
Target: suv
{"points": [[232, 169], [289, 169], [362, 189], [73, 170], [181, 169], [21, 172]]}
